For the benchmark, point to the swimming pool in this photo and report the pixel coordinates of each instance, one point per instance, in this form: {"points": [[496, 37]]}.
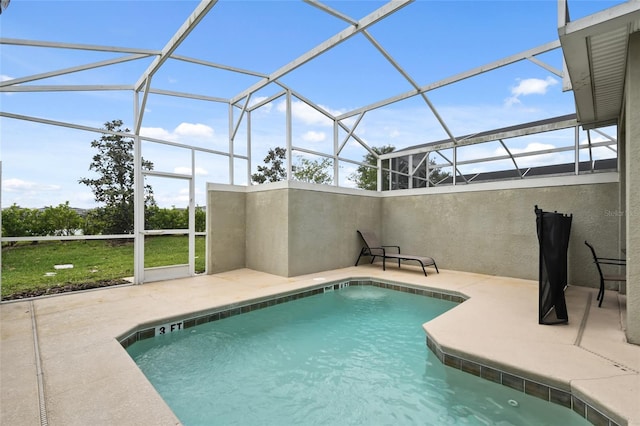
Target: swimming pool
{"points": [[352, 356]]}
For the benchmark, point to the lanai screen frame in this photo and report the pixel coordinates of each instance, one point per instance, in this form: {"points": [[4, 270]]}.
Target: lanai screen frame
{"points": [[239, 107]]}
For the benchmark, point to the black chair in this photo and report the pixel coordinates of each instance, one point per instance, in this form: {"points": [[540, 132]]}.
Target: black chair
{"points": [[606, 277]]}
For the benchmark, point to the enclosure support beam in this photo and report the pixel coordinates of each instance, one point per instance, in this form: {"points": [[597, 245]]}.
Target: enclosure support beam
{"points": [[458, 77], [343, 35], [336, 153], [411, 81], [289, 136], [248, 148], [189, 25], [511, 156], [138, 204], [231, 144]]}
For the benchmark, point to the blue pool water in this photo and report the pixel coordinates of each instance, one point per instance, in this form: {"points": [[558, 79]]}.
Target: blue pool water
{"points": [[356, 356]]}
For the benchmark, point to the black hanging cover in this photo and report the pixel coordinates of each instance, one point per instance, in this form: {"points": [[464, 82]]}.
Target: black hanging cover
{"points": [[553, 238]]}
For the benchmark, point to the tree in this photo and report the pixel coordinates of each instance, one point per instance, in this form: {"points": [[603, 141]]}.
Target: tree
{"points": [[436, 174], [19, 222], [93, 222], [114, 187], [305, 170], [366, 177], [273, 170], [400, 179], [201, 219], [161, 218], [174, 218], [314, 171], [50, 221], [60, 221]]}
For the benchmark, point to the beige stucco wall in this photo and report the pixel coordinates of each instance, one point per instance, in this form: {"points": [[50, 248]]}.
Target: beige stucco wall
{"points": [[291, 229], [322, 229], [226, 224], [494, 231], [287, 229], [268, 231]]}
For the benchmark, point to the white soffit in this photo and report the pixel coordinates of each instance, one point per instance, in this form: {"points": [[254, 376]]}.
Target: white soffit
{"points": [[595, 51]]}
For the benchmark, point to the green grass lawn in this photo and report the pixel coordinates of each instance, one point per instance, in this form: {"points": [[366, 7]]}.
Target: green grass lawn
{"points": [[30, 267]]}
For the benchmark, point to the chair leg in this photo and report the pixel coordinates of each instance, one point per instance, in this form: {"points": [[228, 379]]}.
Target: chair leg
{"points": [[436, 266], [384, 265], [423, 270], [359, 256], [601, 293]]}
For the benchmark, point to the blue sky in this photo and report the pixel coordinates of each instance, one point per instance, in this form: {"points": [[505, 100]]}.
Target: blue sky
{"points": [[430, 40]]}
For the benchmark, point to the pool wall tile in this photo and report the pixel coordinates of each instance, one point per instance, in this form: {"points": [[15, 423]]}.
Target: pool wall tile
{"points": [[470, 367], [146, 334], [597, 418], [129, 341], [514, 382], [560, 397], [579, 406], [452, 361], [536, 389], [490, 374]]}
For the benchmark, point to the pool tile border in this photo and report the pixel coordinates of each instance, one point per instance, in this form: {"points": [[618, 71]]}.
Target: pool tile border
{"points": [[521, 384], [148, 331]]}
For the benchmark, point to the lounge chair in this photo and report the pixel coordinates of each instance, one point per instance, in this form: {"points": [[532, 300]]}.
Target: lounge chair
{"points": [[373, 248], [606, 277]]}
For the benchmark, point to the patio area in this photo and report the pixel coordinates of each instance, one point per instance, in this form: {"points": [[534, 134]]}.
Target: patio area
{"points": [[66, 349]]}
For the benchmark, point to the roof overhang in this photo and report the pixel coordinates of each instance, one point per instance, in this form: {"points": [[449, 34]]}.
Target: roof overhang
{"points": [[595, 52]]}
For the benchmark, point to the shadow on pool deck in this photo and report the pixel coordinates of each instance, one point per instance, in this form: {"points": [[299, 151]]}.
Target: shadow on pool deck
{"points": [[88, 378]]}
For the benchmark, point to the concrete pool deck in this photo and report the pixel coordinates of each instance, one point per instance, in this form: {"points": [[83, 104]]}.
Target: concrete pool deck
{"points": [[70, 341]]}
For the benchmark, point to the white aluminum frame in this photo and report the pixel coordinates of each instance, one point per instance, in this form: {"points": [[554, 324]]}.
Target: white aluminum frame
{"points": [[142, 87]]}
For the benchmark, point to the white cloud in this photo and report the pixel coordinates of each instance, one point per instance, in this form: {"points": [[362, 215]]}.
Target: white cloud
{"points": [[180, 133], [187, 171], [194, 130], [264, 108], [34, 194], [600, 152], [19, 185], [531, 147], [529, 86], [536, 159], [313, 136], [155, 132], [308, 115]]}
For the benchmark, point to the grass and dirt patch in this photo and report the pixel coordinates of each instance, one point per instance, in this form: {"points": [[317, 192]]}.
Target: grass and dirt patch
{"points": [[29, 269]]}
